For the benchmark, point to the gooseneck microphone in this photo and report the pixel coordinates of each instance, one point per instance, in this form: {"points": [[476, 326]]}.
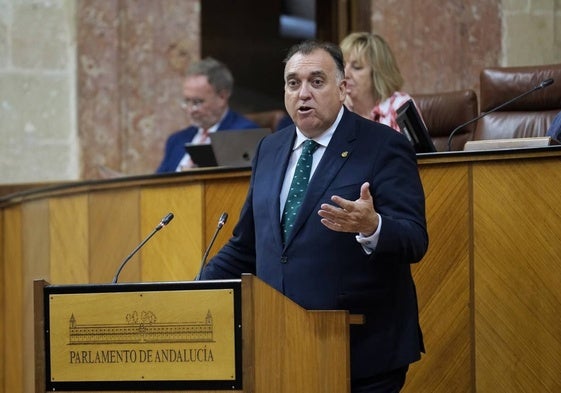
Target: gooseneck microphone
{"points": [[543, 84], [221, 222], [165, 221]]}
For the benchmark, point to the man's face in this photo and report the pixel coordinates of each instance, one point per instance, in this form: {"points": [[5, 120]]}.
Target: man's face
{"points": [[202, 102], [313, 95]]}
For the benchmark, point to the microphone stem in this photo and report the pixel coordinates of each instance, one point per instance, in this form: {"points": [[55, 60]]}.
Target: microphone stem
{"points": [[540, 86], [160, 226], [221, 223], [205, 256]]}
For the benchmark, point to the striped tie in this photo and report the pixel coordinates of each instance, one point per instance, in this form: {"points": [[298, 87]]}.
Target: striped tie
{"points": [[204, 136], [298, 186]]}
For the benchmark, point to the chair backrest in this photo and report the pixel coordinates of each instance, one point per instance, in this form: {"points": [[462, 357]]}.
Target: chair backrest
{"points": [[443, 112], [527, 117], [267, 119]]}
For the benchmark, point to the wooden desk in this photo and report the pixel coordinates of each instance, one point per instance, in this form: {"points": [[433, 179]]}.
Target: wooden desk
{"points": [[80, 232], [488, 287]]}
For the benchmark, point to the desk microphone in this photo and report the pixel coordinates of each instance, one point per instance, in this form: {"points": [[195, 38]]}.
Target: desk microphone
{"points": [[165, 221], [221, 221], [543, 84]]}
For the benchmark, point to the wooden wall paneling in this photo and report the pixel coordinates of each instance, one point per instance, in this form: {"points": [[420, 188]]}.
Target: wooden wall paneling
{"points": [[13, 300], [114, 228], [227, 195], [69, 244], [332, 20], [176, 252], [443, 284], [518, 276], [36, 265]]}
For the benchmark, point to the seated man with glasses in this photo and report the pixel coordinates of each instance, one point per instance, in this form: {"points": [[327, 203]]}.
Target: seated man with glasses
{"points": [[207, 89]]}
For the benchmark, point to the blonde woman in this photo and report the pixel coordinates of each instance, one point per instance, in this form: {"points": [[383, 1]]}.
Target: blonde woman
{"points": [[373, 78]]}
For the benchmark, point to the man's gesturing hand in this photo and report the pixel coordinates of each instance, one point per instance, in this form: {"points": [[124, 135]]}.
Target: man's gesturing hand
{"points": [[351, 216]]}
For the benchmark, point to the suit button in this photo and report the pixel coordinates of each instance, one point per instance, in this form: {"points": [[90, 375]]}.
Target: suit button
{"points": [[284, 259]]}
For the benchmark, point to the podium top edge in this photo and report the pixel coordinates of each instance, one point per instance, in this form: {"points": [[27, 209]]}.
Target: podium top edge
{"points": [[143, 286]]}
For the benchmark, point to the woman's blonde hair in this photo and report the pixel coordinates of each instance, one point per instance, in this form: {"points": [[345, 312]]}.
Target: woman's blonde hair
{"points": [[374, 50]]}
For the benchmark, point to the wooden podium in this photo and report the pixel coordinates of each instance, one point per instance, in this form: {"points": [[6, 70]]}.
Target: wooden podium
{"points": [[203, 336]]}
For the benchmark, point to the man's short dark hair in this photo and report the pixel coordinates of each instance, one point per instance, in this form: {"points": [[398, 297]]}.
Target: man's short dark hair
{"points": [[307, 47]]}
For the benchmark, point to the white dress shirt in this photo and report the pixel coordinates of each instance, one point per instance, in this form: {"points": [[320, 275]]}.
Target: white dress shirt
{"points": [[368, 243]]}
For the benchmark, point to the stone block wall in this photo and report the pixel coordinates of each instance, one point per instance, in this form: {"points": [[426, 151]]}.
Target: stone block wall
{"points": [[89, 84], [38, 140]]}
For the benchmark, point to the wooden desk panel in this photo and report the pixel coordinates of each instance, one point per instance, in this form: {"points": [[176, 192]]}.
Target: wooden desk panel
{"points": [[35, 261], [488, 287], [443, 284], [13, 308], [178, 248], [114, 228], [223, 196], [69, 239], [517, 286]]}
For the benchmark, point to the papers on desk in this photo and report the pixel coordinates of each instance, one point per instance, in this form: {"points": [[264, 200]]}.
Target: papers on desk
{"points": [[511, 143]]}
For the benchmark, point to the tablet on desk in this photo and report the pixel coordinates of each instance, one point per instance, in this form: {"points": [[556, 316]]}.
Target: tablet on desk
{"points": [[227, 148], [201, 155]]}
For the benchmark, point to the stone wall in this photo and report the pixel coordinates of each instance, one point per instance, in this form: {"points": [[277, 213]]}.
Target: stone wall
{"points": [[132, 56], [440, 45], [38, 140], [87, 85], [531, 32]]}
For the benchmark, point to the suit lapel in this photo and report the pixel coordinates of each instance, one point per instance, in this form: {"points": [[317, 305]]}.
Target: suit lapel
{"points": [[336, 154], [279, 164], [227, 122]]}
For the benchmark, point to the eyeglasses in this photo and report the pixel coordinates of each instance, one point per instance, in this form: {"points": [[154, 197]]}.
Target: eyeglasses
{"points": [[188, 103]]}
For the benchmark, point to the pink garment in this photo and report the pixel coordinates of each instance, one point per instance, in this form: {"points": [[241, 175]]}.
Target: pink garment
{"points": [[386, 111]]}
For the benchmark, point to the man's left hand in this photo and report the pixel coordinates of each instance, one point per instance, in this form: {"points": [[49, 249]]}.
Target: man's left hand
{"points": [[351, 216]]}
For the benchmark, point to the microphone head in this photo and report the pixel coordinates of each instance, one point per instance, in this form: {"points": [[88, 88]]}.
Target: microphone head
{"points": [[165, 221], [546, 83], [222, 220]]}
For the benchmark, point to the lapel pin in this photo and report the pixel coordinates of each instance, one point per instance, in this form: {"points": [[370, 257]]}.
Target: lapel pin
{"points": [[344, 154]]}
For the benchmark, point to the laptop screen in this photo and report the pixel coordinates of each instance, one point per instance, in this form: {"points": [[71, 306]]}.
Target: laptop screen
{"points": [[231, 148]]}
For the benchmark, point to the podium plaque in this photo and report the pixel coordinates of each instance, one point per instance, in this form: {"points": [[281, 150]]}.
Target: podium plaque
{"points": [[143, 336]]}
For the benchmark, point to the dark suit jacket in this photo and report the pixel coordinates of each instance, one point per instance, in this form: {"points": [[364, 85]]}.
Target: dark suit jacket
{"points": [[554, 129], [323, 269], [175, 144]]}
